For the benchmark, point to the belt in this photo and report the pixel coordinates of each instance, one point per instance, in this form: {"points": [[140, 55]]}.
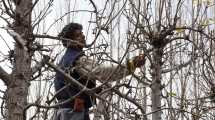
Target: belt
{"points": [[77, 104], [67, 104]]}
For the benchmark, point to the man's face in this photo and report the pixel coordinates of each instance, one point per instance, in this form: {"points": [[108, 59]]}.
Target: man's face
{"points": [[79, 37]]}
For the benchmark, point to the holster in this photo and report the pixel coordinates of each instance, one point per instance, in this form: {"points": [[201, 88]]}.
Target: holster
{"points": [[78, 104]]}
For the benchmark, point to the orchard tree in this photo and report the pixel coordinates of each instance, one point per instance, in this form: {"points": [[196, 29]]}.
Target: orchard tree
{"points": [[18, 15], [176, 36]]}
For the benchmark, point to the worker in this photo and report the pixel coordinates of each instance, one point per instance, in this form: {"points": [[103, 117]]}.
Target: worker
{"points": [[85, 70]]}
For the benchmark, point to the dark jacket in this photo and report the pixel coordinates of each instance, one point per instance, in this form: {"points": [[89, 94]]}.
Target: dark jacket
{"points": [[68, 60]]}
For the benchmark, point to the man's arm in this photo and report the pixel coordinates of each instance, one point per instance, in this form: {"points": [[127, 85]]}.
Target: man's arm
{"points": [[90, 69]]}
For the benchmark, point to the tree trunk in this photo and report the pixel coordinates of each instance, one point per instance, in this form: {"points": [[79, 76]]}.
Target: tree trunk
{"points": [[17, 90], [156, 83]]}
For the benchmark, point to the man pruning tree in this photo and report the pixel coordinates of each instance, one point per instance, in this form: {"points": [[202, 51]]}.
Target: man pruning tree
{"points": [[84, 70]]}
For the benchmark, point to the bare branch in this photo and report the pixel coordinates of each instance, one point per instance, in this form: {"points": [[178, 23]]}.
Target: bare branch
{"points": [[4, 76], [58, 38], [178, 67], [94, 5], [72, 80], [199, 30], [7, 9], [38, 66]]}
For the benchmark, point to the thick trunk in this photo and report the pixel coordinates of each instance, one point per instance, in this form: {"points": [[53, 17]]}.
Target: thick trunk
{"points": [[17, 90], [156, 83]]}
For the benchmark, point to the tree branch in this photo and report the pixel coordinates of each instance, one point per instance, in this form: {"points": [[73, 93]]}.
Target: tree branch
{"points": [[38, 66], [67, 76], [94, 6], [4, 76], [57, 38], [7, 9], [177, 67]]}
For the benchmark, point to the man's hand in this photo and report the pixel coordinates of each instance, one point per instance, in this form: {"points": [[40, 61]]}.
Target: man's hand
{"points": [[139, 60]]}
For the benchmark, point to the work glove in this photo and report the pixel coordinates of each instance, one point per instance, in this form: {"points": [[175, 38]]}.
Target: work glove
{"points": [[139, 60], [135, 62]]}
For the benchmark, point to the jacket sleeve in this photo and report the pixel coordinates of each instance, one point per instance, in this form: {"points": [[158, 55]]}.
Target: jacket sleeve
{"points": [[88, 68]]}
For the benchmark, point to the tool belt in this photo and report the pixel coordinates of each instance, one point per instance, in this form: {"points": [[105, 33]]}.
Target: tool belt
{"points": [[77, 104]]}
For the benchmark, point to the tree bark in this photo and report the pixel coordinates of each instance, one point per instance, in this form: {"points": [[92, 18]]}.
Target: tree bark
{"points": [[156, 83], [17, 90]]}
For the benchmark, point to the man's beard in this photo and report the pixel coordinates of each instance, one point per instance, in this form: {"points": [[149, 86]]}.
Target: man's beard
{"points": [[74, 44]]}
